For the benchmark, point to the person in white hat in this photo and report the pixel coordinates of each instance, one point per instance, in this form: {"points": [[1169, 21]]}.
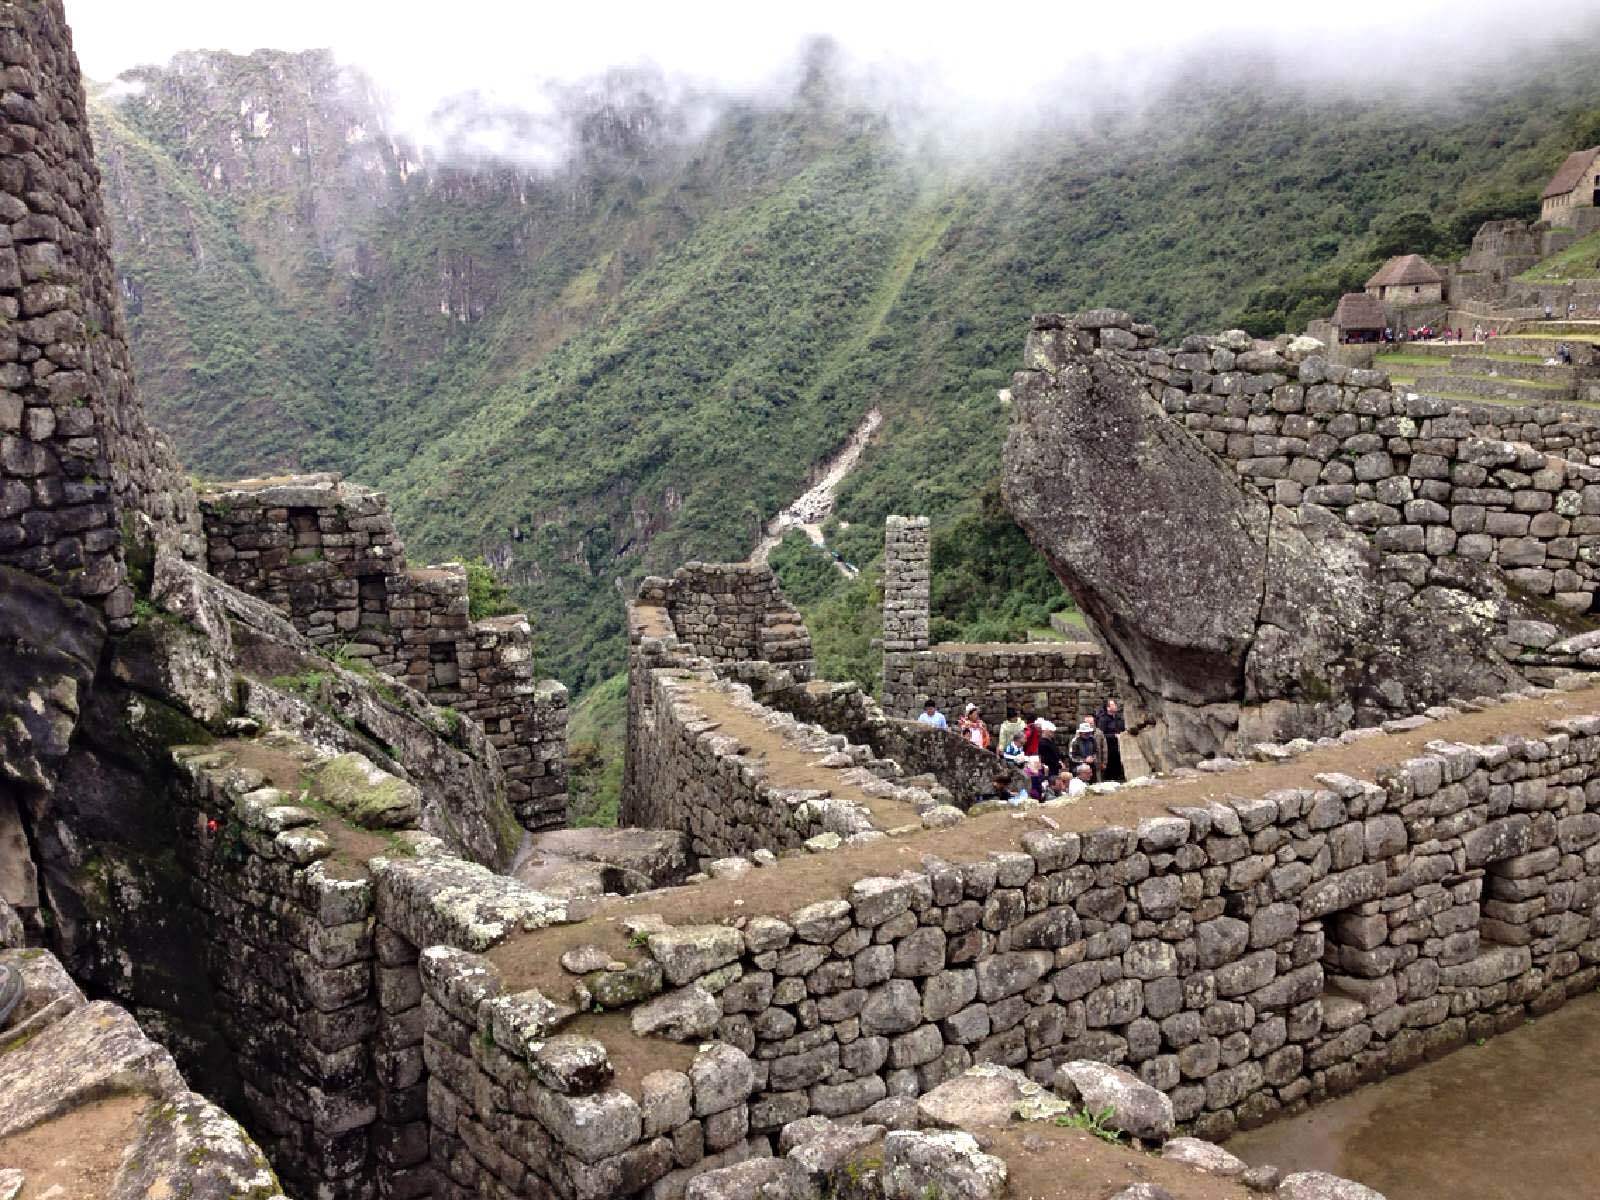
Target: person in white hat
{"points": [[1088, 747], [973, 728]]}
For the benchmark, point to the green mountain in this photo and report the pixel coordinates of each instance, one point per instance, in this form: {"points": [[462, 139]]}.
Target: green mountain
{"points": [[604, 368]]}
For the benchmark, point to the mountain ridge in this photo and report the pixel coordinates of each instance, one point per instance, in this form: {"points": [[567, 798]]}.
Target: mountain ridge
{"points": [[602, 369]]}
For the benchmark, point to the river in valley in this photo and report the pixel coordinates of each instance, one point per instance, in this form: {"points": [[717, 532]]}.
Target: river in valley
{"points": [[1517, 1118]]}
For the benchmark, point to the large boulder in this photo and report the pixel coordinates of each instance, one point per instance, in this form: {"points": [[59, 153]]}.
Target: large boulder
{"points": [[947, 1165], [1131, 1106], [617, 860], [1233, 619]]}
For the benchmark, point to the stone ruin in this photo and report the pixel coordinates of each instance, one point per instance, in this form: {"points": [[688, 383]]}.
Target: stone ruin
{"points": [[1309, 549], [1062, 680], [292, 874], [327, 554]]}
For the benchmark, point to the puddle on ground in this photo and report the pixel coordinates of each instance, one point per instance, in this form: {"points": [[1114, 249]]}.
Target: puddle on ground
{"points": [[1513, 1119]]}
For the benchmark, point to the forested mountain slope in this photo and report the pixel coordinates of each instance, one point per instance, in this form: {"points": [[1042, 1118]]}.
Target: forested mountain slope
{"points": [[631, 359]]}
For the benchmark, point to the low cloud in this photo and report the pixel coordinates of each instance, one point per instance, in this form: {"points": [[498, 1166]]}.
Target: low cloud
{"points": [[498, 78]]}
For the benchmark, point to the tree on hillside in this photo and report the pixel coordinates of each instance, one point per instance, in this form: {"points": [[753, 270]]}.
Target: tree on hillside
{"points": [[1409, 233], [1501, 205]]}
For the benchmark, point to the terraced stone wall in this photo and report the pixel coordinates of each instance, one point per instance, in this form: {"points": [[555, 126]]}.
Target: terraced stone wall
{"points": [[76, 455], [1245, 957], [695, 775], [1060, 680], [287, 933], [1431, 482], [962, 769], [327, 554]]}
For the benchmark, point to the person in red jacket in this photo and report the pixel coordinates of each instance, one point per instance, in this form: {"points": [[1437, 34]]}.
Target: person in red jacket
{"points": [[1030, 737]]}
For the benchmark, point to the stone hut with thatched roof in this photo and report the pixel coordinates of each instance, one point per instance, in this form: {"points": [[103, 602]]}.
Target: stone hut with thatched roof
{"points": [[1572, 196], [1406, 280], [1359, 318]]}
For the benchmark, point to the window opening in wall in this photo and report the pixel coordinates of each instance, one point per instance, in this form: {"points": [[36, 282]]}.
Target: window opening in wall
{"points": [[1509, 903], [1594, 602], [374, 593], [303, 521], [1357, 966], [443, 668]]}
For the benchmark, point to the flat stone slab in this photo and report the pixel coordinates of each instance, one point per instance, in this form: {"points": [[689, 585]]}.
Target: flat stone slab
{"points": [[191, 1148], [91, 1052]]}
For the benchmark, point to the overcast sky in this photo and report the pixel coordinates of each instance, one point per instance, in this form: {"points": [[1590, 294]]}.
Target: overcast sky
{"points": [[978, 55]]}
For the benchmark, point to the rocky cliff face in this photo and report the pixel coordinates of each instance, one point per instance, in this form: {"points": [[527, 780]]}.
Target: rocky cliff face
{"points": [[114, 645], [1234, 619]]}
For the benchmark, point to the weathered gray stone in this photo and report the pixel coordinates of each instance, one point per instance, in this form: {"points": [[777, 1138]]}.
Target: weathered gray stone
{"points": [[949, 1165], [722, 1076], [687, 953], [1317, 1185], [757, 1179], [685, 1015], [1203, 1156], [1137, 1109]]}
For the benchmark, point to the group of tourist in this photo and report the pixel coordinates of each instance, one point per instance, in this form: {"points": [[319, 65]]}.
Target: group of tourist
{"points": [[1427, 333], [1032, 744]]}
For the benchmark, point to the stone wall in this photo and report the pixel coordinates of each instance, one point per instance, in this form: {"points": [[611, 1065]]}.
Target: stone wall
{"points": [[1430, 481], [76, 456], [326, 553], [907, 580], [732, 612], [1060, 680], [1244, 957], [962, 769], [721, 788], [311, 927], [288, 949]]}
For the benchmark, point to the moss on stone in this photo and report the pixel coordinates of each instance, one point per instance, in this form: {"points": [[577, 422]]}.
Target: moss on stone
{"points": [[367, 796]]}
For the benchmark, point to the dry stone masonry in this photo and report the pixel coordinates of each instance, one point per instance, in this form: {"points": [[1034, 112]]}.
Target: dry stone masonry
{"points": [[327, 554], [732, 612], [1246, 614], [286, 865], [1060, 680], [1240, 956], [77, 459], [314, 889], [907, 580], [810, 767]]}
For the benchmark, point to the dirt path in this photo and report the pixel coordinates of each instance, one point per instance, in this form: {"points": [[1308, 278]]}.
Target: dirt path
{"points": [[79, 1153], [792, 765], [815, 504]]}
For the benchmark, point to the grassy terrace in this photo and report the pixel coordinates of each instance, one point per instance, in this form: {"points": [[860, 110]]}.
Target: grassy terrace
{"points": [[1403, 358], [1581, 260], [1588, 338], [1501, 401]]}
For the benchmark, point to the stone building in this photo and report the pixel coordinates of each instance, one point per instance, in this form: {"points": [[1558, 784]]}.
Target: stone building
{"points": [[1573, 193], [1358, 318], [1406, 280]]}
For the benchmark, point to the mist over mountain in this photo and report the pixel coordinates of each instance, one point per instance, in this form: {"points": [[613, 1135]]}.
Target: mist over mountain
{"points": [[600, 335]]}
